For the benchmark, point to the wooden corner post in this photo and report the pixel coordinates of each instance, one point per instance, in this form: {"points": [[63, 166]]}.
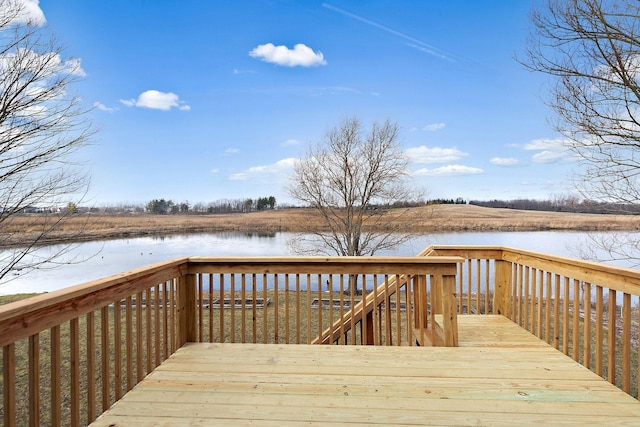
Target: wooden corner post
{"points": [[502, 288], [187, 331], [449, 311]]}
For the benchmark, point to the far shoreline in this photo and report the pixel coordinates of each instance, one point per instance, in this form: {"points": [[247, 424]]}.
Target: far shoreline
{"points": [[418, 220]]}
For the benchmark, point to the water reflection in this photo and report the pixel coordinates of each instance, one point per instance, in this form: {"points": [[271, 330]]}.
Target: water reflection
{"points": [[117, 256]]}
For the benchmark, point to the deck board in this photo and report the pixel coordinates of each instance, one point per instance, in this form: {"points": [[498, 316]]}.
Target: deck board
{"points": [[501, 375]]}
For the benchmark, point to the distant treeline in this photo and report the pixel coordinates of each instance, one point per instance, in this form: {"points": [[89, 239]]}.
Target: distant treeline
{"points": [[226, 206], [458, 201], [569, 204], [169, 207]]}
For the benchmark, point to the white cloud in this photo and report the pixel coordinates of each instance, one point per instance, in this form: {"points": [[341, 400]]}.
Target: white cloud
{"points": [[504, 161], [290, 142], [30, 12], [50, 63], [299, 56], [100, 106], [279, 167], [548, 156], [424, 154], [156, 100], [231, 150], [434, 126], [73, 66], [449, 170], [548, 150], [215, 170]]}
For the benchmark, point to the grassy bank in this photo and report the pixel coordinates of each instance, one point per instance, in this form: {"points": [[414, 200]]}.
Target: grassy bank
{"points": [[427, 219]]}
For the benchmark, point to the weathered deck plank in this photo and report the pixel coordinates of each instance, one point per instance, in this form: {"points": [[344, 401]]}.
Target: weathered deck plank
{"points": [[501, 375]]}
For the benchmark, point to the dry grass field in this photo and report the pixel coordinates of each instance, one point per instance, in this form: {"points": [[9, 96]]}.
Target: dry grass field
{"points": [[419, 220]]}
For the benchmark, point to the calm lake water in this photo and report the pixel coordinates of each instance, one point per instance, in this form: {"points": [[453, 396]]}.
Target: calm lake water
{"points": [[104, 258]]}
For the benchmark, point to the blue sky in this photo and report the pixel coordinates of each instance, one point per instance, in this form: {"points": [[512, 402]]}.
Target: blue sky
{"points": [[205, 100]]}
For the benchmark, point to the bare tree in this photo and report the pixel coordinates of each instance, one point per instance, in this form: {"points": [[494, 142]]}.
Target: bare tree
{"points": [[592, 49], [41, 126], [353, 180]]}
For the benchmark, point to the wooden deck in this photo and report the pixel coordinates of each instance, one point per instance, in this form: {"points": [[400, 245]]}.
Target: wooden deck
{"points": [[500, 375]]}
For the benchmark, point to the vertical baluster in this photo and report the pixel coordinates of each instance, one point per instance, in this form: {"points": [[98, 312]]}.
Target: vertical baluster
{"points": [[540, 302], [599, 328], [565, 317], [352, 290], [298, 324], [387, 311], [222, 337], [586, 335], [243, 306], [611, 338], [254, 287], [460, 287], [106, 357], [117, 348], [265, 325], [342, 337], [487, 270], [519, 285], [525, 297], [91, 370], [156, 312], [308, 309], [330, 286], [200, 308], [547, 309], [626, 342], [398, 311], [276, 319], [374, 309], [286, 309], [74, 360], [556, 313], [320, 307], [576, 321], [34, 380], [513, 298], [139, 340], [478, 264], [535, 318], [232, 308], [211, 302], [165, 318], [148, 330], [129, 341], [363, 321], [469, 284], [56, 378], [9, 384], [410, 308], [172, 315]]}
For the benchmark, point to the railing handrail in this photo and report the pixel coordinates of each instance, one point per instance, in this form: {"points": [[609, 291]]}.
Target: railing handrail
{"points": [[339, 264], [618, 278], [23, 318]]}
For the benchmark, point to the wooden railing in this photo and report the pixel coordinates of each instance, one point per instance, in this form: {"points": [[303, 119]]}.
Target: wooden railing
{"points": [[69, 355], [589, 311]]}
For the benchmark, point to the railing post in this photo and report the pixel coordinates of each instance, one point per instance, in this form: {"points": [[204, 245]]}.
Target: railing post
{"points": [[420, 301], [187, 309], [502, 288], [449, 311]]}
